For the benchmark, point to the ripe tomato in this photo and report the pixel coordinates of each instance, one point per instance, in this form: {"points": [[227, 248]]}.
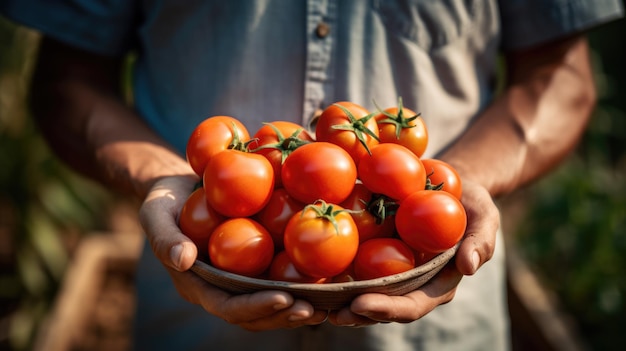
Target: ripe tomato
{"points": [[392, 170], [350, 126], [276, 140], [238, 183], [367, 214], [402, 126], [381, 257], [277, 212], [346, 276], [282, 269], [197, 220], [211, 136], [442, 176], [319, 170], [321, 240], [431, 221], [423, 257], [241, 246]]}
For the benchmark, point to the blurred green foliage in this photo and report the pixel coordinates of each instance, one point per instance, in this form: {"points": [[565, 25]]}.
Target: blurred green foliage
{"points": [[44, 207], [575, 230]]}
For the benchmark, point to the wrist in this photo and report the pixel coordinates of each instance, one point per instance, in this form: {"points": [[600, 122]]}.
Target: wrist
{"points": [[133, 167]]}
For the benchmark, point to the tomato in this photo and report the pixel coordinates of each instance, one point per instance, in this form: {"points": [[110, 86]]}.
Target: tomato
{"points": [[431, 221], [197, 220], [423, 257], [238, 183], [442, 176], [241, 246], [381, 257], [321, 240], [211, 136], [402, 126], [277, 212], [367, 213], [392, 170], [346, 276], [282, 269], [276, 140], [319, 170], [350, 126]]}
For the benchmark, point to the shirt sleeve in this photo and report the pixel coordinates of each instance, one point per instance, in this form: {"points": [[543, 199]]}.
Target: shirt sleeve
{"points": [[104, 27], [526, 23]]}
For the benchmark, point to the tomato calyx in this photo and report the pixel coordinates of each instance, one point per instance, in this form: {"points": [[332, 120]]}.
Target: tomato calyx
{"points": [[381, 207], [285, 145], [326, 211], [431, 186], [237, 143], [398, 120], [357, 126]]}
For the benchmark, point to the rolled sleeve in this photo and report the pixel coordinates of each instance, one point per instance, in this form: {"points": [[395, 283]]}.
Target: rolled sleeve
{"points": [[101, 26], [526, 23]]}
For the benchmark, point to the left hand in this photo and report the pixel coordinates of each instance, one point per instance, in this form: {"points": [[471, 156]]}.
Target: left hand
{"points": [[477, 248]]}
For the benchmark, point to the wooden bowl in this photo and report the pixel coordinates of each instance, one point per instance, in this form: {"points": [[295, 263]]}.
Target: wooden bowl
{"points": [[328, 296]]}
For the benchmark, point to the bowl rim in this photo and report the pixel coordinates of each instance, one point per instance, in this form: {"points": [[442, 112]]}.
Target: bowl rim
{"points": [[202, 268]]}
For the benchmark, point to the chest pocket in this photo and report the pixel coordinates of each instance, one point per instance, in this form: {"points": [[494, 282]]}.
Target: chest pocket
{"points": [[431, 24]]}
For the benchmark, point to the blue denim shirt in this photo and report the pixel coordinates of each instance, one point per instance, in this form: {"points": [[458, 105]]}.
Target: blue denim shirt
{"points": [[283, 60]]}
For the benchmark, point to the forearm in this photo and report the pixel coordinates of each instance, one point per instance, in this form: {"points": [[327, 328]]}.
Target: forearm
{"points": [[534, 124], [76, 101]]}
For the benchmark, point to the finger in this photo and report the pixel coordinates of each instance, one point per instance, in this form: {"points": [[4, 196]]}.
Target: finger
{"points": [[483, 220], [346, 318], [301, 313], [264, 310], [236, 309], [158, 216], [412, 306]]}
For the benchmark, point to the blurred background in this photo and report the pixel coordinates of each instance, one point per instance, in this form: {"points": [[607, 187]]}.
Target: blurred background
{"points": [[569, 228]]}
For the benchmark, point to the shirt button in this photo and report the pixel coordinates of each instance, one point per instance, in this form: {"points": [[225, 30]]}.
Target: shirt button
{"points": [[322, 30]]}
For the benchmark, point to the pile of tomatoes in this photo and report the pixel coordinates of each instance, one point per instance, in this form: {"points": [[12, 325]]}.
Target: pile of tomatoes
{"points": [[354, 201]]}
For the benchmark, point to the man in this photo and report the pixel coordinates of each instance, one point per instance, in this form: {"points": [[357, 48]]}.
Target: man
{"points": [[273, 59]]}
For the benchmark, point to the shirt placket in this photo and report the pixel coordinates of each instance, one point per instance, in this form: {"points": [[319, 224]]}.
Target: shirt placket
{"points": [[321, 18]]}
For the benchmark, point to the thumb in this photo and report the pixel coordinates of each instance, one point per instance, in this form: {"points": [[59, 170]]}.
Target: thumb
{"points": [[483, 220], [181, 255], [157, 216]]}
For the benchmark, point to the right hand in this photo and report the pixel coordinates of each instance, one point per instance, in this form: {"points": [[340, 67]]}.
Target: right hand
{"points": [[264, 310]]}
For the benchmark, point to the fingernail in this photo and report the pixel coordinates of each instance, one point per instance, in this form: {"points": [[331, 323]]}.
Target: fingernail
{"points": [[280, 306], [176, 253], [297, 317], [475, 260]]}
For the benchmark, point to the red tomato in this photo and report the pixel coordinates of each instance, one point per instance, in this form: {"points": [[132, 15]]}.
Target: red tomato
{"points": [[423, 257], [277, 212], [431, 221], [392, 170], [211, 136], [402, 126], [238, 183], [381, 257], [442, 176], [319, 170], [276, 140], [366, 215], [350, 126], [346, 276], [282, 269], [241, 246], [321, 240], [197, 220]]}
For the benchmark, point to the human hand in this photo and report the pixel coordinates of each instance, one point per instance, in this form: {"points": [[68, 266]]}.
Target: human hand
{"points": [[477, 248], [258, 311]]}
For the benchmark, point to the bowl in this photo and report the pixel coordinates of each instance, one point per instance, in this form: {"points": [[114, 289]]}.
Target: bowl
{"points": [[328, 296]]}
